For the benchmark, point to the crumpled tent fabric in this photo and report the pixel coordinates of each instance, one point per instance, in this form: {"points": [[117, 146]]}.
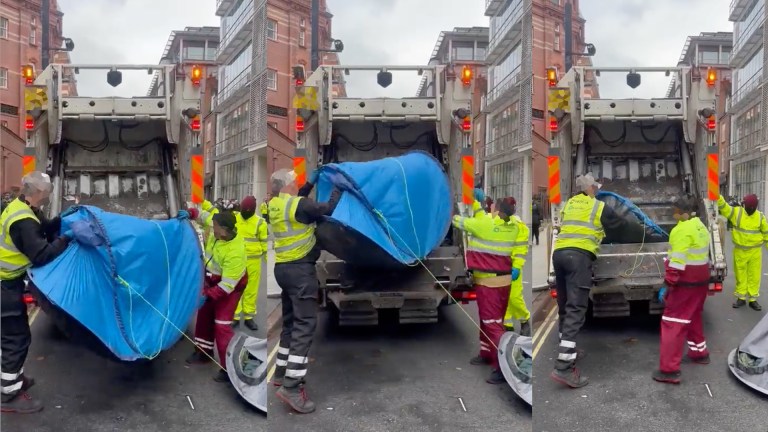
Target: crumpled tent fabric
{"points": [[749, 362], [247, 368], [643, 228], [130, 282], [516, 362], [393, 211]]}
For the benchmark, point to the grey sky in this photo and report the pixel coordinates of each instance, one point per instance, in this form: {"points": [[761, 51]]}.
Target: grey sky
{"points": [[122, 31], [397, 32], [646, 33]]}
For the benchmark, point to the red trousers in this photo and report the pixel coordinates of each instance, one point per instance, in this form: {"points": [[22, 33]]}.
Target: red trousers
{"points": [[491, 306], [214, 320], [681, 323]]}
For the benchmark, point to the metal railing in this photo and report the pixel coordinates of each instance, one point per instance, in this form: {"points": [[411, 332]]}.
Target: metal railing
{"points": [[507, 83], [748, 27], [745, 143], [237, 84], [499, 32], [241, 17], [501, 144], [743, 90]]}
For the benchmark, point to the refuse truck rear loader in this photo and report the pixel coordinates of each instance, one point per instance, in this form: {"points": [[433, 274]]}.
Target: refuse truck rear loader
{"points": [[650, 151], [333, 129]]}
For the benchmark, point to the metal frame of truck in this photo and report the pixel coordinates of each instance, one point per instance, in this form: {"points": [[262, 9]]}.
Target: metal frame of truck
{"points": [[443, 119], [648, 171]]}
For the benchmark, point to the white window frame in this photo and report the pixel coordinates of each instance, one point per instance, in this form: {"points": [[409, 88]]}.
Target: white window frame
{"points": [[33, 36], [556, 40], [271, 78], [4, 23], [302, 38], [302, 22], [274, 29], [3, 78]]}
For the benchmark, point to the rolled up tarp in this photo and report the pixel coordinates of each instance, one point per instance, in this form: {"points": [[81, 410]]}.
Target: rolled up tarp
{"points": [[642, 229], [130, 284], [392, 211]]}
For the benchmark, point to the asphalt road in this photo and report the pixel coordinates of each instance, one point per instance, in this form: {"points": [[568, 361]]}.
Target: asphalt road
{"points": [[401, 378], [85, 393], [622, 354]]}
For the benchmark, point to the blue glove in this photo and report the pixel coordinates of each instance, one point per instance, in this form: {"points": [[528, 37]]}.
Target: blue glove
{"points": [[340, 181], [313, 177], [662, 291], [515, 274], [479, 195], [183, 214]]}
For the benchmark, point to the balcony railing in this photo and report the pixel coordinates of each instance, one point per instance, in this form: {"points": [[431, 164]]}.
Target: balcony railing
{"points": [[235, 33], [223, 6], [737, 9], [232, 88], [744, 90], [749, 34], [504, 86], [503, 35], [746, 143], [503, 144], [492, 7], [232, 144]]}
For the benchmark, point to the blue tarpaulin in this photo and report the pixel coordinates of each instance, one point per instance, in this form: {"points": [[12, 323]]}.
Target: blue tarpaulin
{"points": [[123, 276], [644, 219], [401, 205]]}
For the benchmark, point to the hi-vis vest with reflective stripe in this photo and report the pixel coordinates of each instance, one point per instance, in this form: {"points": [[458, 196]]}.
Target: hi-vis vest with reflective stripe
{"points": [[293, 239], [749, 231], [520, 249], [12, 262], [688, 244], [250, 229], [581, 227], [490, 244], [230, 257]]}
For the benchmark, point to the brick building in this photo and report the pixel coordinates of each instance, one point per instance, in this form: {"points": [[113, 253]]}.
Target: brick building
{"points": [[20, 44]]}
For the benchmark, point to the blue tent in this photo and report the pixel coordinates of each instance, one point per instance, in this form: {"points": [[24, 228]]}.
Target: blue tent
{"points": [[132, 283], [393, 211]]}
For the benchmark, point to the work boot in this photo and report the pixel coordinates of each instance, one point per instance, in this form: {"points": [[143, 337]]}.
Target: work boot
{"points": [[296, 398], [755, 305], [221, 376], [277, 380], [479, 360], [27, 382], [667, 377], [251, 324], [698, 360], [569, 377], [739, 303], [197, 357], [525, 329], [23, 403], [496, 377]]}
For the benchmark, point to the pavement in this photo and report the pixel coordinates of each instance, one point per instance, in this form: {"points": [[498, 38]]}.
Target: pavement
{"points": [[622, 354], [86, 393], [401, 377]]}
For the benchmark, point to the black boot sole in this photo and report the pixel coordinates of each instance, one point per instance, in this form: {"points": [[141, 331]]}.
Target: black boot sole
{"points": [[18, 411], [755, 308], [293, 407]]}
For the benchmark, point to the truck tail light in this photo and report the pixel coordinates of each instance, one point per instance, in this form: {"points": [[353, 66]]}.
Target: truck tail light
{"points": [[299, 124], [29, 124], [195, 123], [196, 75], [711, 123], [466, 75], [466, 124], [553, 293], [552, 77], [553, 124], [711, 77], [28, 72]]}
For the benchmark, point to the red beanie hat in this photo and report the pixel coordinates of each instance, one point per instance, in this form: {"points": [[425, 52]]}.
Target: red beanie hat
{"points": [[248, 204]]}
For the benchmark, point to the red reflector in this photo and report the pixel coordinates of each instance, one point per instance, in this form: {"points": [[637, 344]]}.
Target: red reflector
{"points": [[299, 82], [28, 299], [299, 124], [553, 293], [470, 295], [29, 123], [717, 287], [711, 123], [467, 124], [553, 124], [195, 124]]}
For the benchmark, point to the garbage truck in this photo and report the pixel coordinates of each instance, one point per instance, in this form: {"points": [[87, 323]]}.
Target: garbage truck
{"points": [[334, 129], [138, 156], [648, 151]]}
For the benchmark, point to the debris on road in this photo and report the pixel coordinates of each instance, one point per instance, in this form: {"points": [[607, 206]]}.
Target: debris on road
{"points": [[462, 404], [191, 405], [708, 390]]}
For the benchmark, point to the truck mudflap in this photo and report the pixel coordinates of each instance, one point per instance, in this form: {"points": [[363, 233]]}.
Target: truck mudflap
{"points": [[516, 362], [247, 368], [749, 361]]}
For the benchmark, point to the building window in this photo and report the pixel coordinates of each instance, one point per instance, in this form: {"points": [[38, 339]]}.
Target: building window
{"points": [[556, 2], [9, 109], [303, 22], [708, 55], [272, 29], [3, 27], [272, 79], [556, 40], [32, 36], [302, 37], [3, 78]]}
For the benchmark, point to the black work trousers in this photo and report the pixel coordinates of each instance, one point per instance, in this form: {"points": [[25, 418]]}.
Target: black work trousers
{"points": [[573, 276], [299, 285], [16, 337], [535, 232]]}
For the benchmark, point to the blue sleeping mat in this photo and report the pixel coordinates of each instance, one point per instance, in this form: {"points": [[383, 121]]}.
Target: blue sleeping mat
{"points": [[121, 277], [393, 211]]}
